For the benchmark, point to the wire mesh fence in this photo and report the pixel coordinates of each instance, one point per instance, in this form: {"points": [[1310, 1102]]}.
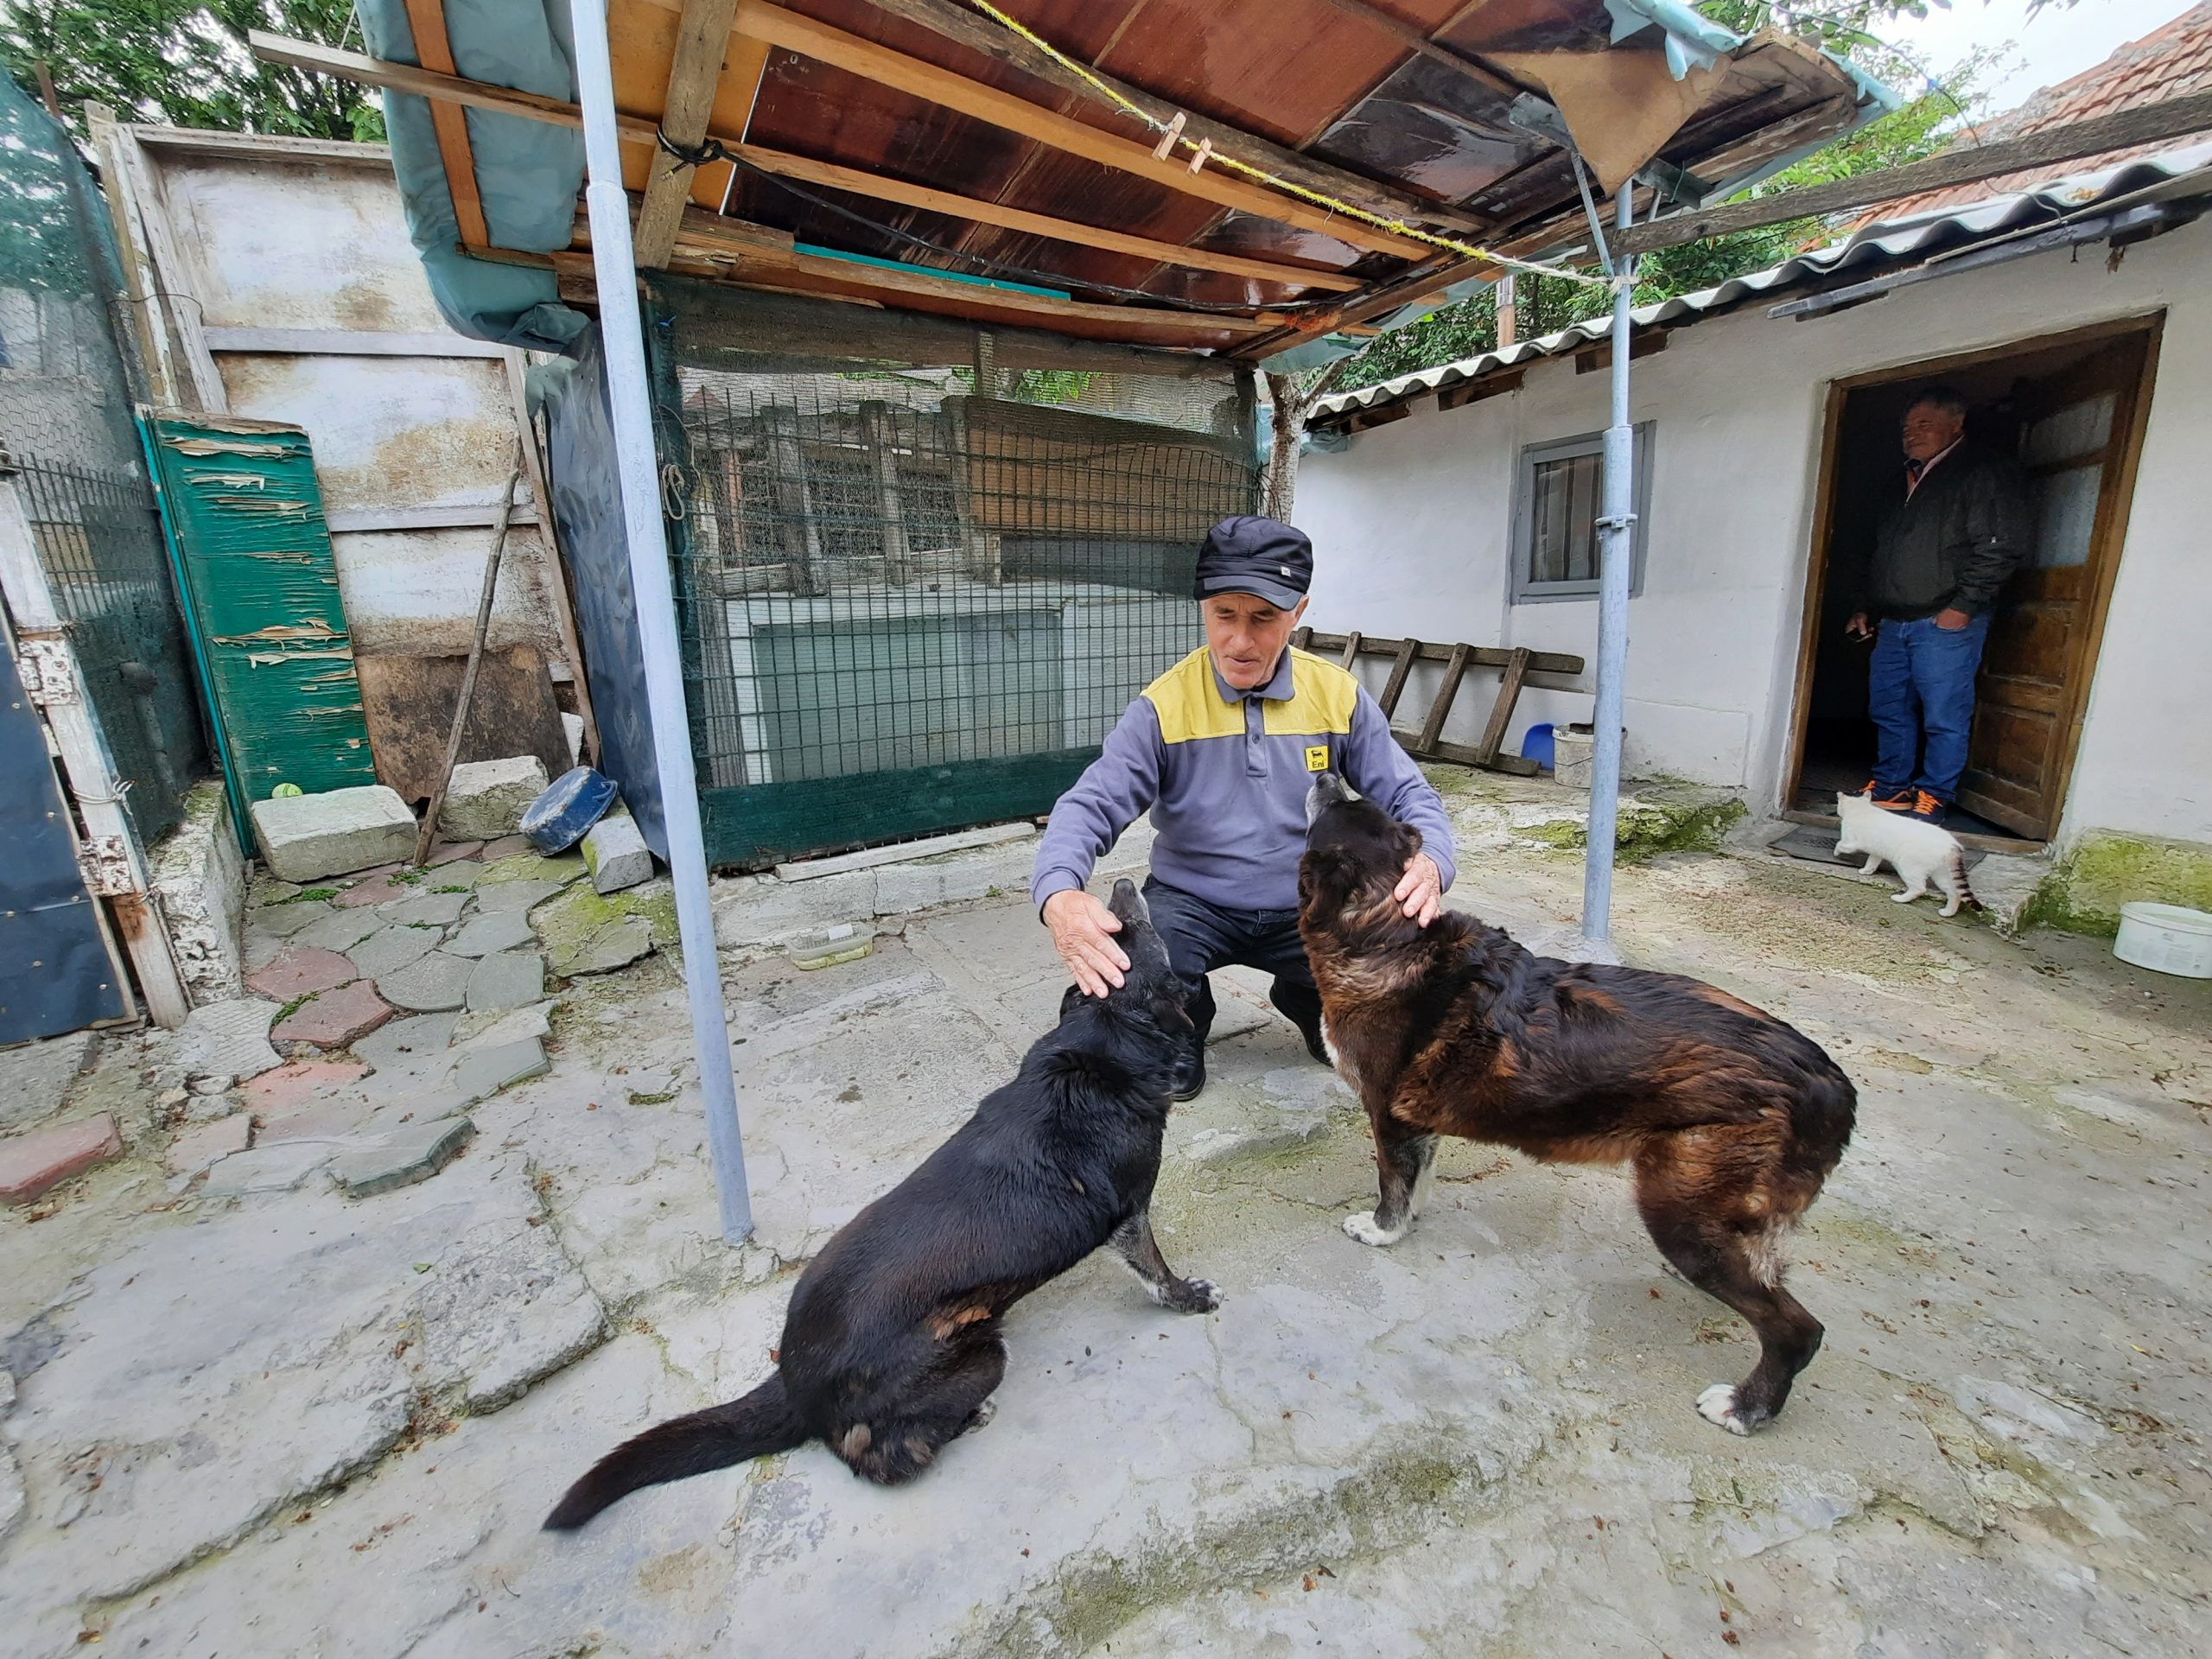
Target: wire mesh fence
{"points": [[920, 577], [66, 418]]}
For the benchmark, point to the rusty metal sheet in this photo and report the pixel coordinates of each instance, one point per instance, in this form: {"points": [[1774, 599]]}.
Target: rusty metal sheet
{"points": [[409, 702]]}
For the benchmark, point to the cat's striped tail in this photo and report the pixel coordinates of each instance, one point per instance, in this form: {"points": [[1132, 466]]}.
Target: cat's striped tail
{"points": [[1959, 874]]}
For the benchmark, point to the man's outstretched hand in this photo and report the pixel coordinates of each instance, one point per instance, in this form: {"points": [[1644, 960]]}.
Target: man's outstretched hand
{"points": [[1420, 889], [1082, 932]]}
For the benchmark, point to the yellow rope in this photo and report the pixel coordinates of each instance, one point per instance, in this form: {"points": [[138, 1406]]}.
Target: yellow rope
{"points": [[1381, 222]]}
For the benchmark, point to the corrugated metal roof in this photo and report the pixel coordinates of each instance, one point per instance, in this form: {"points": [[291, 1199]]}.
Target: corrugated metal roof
{"points": [[2178, 173]]}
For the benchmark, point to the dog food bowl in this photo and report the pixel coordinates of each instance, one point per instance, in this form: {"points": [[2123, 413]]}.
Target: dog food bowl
{"points": [[571, 803], [2166, 939]]}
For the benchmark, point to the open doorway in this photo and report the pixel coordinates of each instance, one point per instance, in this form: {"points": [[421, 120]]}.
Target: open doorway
{"points": [[2071, 409]]}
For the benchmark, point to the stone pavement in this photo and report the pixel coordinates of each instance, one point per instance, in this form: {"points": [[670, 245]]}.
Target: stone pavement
{"points": [[290, 1422]]}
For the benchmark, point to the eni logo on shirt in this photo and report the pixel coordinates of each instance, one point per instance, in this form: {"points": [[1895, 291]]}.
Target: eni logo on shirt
{"points": [[1317, 758]]}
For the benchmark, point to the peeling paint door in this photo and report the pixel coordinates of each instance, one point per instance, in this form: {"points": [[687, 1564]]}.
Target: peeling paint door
{"points": [[57, 972], [261, 591]]}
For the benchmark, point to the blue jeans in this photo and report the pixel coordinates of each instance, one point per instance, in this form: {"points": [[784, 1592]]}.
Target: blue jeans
{"points": [[1921, 686]]}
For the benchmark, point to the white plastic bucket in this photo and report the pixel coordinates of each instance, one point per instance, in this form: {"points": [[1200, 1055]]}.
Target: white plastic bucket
{"points": [[2168, 938]]}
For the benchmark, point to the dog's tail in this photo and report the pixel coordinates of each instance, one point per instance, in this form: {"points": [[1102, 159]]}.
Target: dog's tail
{"points": [[763, 1421], [1959, 875]]}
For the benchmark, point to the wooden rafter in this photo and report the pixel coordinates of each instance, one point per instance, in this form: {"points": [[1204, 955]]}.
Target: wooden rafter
{"points": [[426, 21], [957, 21], [758, 20], [455, 90], [687, 106]]}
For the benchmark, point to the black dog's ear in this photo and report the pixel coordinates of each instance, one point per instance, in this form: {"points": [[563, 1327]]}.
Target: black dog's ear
{"points": [[1071, 999]]}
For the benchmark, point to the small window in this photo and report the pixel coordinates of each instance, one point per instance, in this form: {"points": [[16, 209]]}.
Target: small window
{"points": [[1557, 497]]}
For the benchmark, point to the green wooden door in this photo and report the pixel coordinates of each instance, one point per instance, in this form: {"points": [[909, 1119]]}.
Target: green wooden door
{"points": [[254, 563]]}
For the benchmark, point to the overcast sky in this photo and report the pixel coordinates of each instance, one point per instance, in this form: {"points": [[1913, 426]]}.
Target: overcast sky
{"points": [[2048, 46]]}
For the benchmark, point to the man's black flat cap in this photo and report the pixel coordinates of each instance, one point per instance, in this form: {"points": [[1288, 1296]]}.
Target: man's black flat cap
{"points": [[1265, 556]]}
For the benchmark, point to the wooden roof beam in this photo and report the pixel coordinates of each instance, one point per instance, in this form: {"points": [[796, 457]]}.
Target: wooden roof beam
{"points": [[760, 20], [695, 70], [454, 90], [960, 24]]}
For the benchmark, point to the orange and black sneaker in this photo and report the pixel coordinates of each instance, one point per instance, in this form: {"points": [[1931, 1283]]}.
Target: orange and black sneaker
{"points": [[1925, 807], [1890, 800]]}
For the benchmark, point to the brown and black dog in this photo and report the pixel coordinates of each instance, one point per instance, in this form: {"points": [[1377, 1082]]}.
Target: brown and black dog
{"points": [[1731, 1119]]}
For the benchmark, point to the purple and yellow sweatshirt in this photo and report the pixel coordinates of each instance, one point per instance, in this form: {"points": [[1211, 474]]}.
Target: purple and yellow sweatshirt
{"points": [[1225, 774]]}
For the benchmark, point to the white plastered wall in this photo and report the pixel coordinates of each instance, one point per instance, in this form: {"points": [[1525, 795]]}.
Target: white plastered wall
{"points": [[1411, 527]]}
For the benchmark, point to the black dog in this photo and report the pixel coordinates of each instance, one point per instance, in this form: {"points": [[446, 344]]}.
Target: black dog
{"points": [[890, 1346], [1731, 1119]]}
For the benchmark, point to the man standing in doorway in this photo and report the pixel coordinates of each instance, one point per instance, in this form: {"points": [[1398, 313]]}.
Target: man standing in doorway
{"points": [[1222, 748], [1940, 553]]}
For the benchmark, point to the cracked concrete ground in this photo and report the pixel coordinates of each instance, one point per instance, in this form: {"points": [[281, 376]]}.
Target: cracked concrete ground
{"points": [[295, 1423]]}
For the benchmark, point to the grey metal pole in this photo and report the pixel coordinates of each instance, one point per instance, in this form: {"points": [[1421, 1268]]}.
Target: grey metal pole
{"points": [[622, 330], [1617, 545]]}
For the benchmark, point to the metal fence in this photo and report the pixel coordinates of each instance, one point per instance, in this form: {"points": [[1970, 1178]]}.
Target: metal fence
{"points": [[917, 592], [66, 417]]}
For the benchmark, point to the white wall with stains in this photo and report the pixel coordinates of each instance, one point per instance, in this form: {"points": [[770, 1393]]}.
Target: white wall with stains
{"points": [[1411, 529]]}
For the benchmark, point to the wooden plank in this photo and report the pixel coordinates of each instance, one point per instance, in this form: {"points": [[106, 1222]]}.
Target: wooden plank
{"points": [[408, 703], [957, 21], [637, 130], [1463, 754], [426, 21], [1351, 648], [1301, 638], [1455, 670], [1415, 41], [2170, 117], [687, 106], [172, 276], [1501, 712], [1473, 391], [200, 141], [130, 246], [556, 571], [346, 342], [1540, 662], [1395, 686], [758, 20]]}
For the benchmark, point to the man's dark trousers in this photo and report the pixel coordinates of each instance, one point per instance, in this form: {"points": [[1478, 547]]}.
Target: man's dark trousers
{"points": [[1201, 937]]}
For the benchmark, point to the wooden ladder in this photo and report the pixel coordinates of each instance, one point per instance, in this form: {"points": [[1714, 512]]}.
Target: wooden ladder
{"points": [[1515, 664]]}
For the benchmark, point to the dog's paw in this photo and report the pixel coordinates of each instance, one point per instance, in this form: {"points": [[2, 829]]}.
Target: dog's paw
{"points": [[1197, 1296], [1718, 1405], [1364, 1228], [981, 1417]]}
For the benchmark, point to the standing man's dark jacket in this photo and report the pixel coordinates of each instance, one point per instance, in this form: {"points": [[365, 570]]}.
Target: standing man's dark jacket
{"points": [[1951, 543]]}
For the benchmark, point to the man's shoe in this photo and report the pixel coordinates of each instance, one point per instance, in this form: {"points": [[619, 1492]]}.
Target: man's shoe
{"points": [[1189, 1077], [1890, 800], [1926, 808], [1314, 1044]]}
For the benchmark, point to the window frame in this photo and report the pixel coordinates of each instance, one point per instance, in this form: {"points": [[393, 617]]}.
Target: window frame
{"points": [[1520, 542]]}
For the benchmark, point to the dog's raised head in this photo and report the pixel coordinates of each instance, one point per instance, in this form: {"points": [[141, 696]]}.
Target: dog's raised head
{"points": [[1355, 853], [1149, 991]]}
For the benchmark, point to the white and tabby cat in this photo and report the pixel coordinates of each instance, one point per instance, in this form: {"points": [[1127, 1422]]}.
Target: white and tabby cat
{"points": [[1918, 851]]}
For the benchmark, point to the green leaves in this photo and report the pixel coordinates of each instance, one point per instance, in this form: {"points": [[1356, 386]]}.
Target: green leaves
{"points": [[185, 62]]}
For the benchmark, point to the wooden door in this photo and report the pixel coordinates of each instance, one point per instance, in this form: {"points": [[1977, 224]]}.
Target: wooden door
{"points": [[2077, 430]]}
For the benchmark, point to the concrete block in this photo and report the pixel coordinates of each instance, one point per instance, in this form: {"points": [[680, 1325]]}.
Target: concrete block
{"points": [[303, 836], [409, 1155], [487, 799], [199, 876], [572, 727], [615, 852], [226, 1040], [31, 1164]]}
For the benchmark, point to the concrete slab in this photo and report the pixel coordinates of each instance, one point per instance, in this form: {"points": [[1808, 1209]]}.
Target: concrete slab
{"points": [[340, 930], [277, 1168], [392, 948], [480, 1071], [513, 898], [486, 798], [35, 1077], [512, 1026], [292, 1085], [300, 970], [33, 1164], [334, 1019], [192, 1150], [401, 1158], [508, 980], [303, 836], [286, 917], [373, 891], [420, 909], [436, 982], [482, 935], [223, 1039]]}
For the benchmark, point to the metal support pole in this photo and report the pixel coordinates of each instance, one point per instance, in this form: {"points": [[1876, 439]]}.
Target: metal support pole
{"points": [[622, 332], [1617, 544]]}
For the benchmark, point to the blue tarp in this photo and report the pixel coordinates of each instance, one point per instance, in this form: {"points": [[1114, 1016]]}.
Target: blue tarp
{"points": [[528, 172]]}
